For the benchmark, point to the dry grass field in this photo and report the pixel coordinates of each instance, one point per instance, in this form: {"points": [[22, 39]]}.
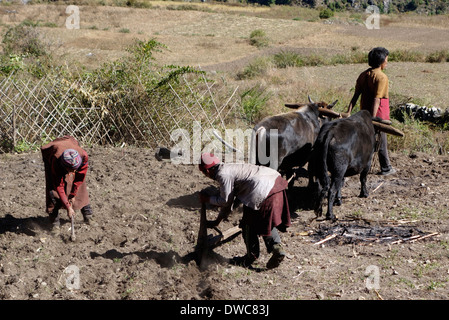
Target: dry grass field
{"points": [[147, 210], [215, 37]]}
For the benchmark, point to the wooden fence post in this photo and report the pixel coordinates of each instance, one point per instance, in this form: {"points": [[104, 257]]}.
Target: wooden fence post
{"points": [[14, 142]]}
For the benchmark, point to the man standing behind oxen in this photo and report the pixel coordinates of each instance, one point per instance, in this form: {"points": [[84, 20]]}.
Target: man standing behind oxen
{"points": [[265, 205], [66, 165], [372, 85]]}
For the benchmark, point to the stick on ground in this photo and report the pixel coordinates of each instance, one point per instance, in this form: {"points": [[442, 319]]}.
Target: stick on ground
{"points": [[325, 239]]}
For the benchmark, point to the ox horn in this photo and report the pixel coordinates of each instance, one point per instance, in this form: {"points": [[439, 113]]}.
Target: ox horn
{"points": [[328, 113], [293, 105], [310, 99], [330, 106], [387, 129]]}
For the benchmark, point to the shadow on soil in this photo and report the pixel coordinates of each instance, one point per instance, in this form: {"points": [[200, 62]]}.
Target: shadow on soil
{"points": [[28, 226]]}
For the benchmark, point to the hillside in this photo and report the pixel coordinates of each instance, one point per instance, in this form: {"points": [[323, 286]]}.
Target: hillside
{"points": [[215, 37]]}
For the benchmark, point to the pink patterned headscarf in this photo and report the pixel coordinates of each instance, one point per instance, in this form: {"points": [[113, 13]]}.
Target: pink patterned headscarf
{"points": [[71, 159]]}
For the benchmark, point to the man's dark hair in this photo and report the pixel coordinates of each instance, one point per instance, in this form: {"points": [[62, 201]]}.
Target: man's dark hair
{"points": [[377, 56]]}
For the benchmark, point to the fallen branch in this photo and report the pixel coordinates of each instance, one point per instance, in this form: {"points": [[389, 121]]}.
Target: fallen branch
{"points": [[415, 238], [378, 294], [404, 221], [404, 240], [325, 239], [378, 186], [426, 236]]}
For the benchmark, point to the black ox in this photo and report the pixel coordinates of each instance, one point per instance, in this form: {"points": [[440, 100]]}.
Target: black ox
{"points": [[293, 141], [344, 147]]}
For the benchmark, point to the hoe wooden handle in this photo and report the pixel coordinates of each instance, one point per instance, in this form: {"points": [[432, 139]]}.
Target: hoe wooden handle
{"points": [[72, 229], [202, 233]]}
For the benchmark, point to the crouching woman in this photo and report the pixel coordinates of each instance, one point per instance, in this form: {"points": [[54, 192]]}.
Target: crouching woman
{"points": [[262, 191], [66, 165]]}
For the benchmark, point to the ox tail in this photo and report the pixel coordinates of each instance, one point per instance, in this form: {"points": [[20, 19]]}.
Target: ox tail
{"points": [[320, 168], [256, 136], [324, 176]]}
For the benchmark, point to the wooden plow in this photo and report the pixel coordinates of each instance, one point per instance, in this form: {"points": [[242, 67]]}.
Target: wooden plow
{"points": [[207, 242]]}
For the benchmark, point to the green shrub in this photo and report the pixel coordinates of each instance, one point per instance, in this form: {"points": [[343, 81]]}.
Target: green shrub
{"points": [[253, 100], [257, 67], [286, 59], [315, 60], [439, 56], [417, 137], [11, 63], [405, 55], [24, 146], [353, 57], [138, 4], [326, 13], [23, 39], [264, 2], [24, 49], [258, 38]]}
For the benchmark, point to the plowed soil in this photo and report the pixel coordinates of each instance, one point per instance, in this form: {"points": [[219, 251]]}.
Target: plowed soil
{"points": [[147, 220]]}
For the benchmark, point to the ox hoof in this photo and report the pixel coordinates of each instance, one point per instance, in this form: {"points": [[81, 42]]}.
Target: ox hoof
{"points": [[363, 195], [332, 218], [337, 202]]}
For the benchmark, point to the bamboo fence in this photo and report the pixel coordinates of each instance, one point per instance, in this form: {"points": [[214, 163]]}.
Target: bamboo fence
{"points": [[33, 112]]}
